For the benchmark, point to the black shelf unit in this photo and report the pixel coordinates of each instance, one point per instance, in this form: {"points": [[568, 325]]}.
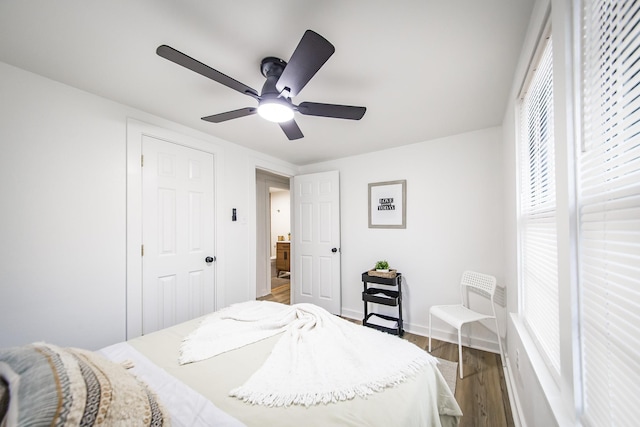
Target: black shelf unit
{"points": [[390, 294]]}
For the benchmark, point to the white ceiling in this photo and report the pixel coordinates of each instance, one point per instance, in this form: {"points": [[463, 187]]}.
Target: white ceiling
{"points": [[423, 68]]}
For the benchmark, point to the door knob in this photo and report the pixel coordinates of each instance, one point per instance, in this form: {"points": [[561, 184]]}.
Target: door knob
{"points": [[334, 250], [209, 259]]}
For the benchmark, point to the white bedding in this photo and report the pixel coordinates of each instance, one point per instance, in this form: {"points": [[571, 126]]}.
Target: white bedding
{"points": [[353, 361], [424, 400], [186, 407]]}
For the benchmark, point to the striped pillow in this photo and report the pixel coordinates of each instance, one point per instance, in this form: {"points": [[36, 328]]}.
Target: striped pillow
{"points": [[50, 385]]}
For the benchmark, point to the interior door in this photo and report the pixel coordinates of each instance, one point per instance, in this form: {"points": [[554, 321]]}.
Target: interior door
{"points": [[316, 240], [177, 234]]}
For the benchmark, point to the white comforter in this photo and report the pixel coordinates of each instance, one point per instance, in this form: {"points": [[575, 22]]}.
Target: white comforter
{"points": [[319, 358], [424, 400]]}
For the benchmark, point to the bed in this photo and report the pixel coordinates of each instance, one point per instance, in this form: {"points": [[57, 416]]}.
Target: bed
{"points": [[196, 393]]}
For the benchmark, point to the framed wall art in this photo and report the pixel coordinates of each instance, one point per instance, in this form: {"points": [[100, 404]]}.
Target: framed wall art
{"points": [[388, 204]]}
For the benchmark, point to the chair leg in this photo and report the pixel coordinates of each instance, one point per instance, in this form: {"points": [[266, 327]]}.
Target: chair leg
{"points": [[460, 350], [429, 332]]}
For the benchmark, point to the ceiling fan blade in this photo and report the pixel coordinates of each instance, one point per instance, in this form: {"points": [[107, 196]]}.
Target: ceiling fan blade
{"points": [[310, 54], [331, 110], [291, 129], [223, 117], [186, 61]]}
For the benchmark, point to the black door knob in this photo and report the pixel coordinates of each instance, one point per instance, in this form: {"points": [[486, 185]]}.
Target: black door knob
{"points": [[209, 259], [334, 250]]}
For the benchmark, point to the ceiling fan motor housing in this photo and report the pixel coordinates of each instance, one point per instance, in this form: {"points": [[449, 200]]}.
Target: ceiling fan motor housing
{"points": [[272, 68]]}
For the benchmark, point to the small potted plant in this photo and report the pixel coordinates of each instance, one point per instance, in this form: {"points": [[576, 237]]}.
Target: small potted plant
{"points": [[382, 266]]}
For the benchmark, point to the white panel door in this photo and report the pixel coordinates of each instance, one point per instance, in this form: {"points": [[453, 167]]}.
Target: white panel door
{"points": [[177, 234], [316, 240]]}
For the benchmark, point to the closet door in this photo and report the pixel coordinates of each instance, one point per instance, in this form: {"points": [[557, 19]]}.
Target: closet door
{"points": [[177, 234]]}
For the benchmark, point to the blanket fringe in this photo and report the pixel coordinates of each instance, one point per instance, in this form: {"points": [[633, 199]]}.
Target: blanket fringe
{"points": [[273, 398]]}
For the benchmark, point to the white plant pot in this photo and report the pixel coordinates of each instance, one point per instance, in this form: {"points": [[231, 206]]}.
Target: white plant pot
{"points": [[380, 270]]}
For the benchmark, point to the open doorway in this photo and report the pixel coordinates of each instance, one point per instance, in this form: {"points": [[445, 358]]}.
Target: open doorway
{"points": [[273, 233]]}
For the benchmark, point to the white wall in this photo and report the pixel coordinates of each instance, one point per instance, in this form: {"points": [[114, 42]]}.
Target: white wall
{"points": [[454, 221], [63, 216]]}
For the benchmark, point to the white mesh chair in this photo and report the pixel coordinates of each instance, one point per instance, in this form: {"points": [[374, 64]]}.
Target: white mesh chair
{"points": [[460, 314]]}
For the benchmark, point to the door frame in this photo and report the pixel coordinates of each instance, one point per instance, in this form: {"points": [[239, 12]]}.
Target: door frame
{"points": [[285, 170], [270, 179], [135, 131]]}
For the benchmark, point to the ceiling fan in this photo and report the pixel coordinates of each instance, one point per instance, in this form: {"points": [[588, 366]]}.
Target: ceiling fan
{"points": [[284, 81]]}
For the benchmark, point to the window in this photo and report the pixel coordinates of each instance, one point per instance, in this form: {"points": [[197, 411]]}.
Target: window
{"points": [[537, 217], [609, 213]]}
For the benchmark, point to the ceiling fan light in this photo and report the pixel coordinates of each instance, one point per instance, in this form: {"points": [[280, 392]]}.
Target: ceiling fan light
{"points": [[275, 111]]}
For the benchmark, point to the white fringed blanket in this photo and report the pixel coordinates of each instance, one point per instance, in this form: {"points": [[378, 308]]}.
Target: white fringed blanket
{"points": [[320, 358]]}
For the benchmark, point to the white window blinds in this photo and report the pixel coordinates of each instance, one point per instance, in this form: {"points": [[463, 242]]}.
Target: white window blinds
{"points": [[537, 223], [609, 213]]}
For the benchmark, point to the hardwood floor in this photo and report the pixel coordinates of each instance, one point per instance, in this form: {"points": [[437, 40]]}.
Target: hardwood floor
{"points": [[481, 394], [278, 294]]}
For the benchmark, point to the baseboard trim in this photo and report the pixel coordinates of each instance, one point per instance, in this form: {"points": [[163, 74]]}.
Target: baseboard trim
{"points": [[439, 334], [351, 314]]}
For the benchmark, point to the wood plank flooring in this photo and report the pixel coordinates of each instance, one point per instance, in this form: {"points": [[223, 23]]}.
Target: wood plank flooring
{"points": [[278, 294], [481, 394]]}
